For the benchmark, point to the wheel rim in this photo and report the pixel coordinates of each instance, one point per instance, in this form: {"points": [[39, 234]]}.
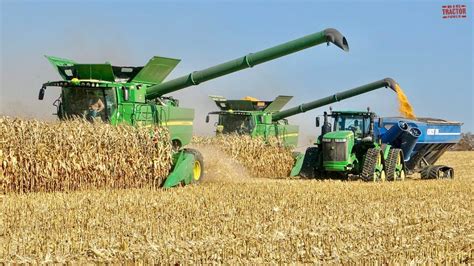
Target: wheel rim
{"points": [[382, 176], [400, 173], [379, 175], [197, 170]]}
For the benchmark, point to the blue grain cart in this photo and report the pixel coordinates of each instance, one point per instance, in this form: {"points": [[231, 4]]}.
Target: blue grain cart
{"points": [[423, 141]]}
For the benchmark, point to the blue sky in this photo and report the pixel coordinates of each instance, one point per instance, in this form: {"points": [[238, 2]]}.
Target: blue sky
{"points": [[429, 56]]}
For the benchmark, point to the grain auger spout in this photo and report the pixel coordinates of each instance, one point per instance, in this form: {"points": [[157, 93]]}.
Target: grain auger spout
{"points": [[384, 83], [326, 36]]}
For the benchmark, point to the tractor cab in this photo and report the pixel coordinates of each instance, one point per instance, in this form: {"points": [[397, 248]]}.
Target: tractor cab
{"points": [[360, 123]]}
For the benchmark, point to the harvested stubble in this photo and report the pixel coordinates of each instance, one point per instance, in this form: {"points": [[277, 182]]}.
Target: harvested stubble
{"points": [[249, 221], [64, 156], [268, 159]]}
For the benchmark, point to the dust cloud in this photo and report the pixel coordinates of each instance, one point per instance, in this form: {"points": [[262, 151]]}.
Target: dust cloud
{"points": [[220, 167]]}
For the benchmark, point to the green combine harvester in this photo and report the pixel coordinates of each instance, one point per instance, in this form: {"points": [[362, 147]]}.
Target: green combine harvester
{"points": [[350, 146], [135, 95], [264, 119]]}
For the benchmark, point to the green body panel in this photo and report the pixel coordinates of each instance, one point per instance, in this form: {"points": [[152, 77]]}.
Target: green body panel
{"points": [[182, 172], [156, 70], [339, 135], [298, 164], [346, 165], [94, 71]]}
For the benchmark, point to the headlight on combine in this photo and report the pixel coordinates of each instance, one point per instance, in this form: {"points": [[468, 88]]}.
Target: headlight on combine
{"points": [[326, 140], [340, 140]]}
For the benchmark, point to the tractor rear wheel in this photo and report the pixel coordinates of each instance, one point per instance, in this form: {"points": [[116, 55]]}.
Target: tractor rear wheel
{"points": [[198, 165], [394, 165], [373, 169]]}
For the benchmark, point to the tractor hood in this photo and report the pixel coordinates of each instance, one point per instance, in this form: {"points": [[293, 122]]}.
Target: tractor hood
{"points": [[339, 135]]}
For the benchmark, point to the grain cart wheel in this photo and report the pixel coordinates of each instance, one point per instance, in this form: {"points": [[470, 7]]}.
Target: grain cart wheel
{"points": [[437, 172], [394, 165], [198, 166], [373, 169]]}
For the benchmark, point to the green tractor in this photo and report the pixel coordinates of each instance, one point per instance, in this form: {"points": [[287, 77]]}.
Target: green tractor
{"points": [[256, 118], [135, 95], [350, 147]]}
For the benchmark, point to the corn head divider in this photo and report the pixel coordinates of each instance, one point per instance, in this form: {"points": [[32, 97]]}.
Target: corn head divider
{"points": [[135, 95]]}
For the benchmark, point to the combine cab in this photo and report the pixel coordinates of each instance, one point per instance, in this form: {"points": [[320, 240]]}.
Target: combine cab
{"points": [[135, 95]]}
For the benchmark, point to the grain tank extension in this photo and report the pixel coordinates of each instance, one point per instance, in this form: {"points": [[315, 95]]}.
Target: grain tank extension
{"points": [[134, 95]]}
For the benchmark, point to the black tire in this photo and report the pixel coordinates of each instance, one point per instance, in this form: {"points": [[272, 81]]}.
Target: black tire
{"points": [[394, 157], [198, 159], [308, 169], [369, 171]]}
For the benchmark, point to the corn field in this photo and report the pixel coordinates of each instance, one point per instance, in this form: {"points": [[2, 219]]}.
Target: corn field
{"points": [[267, 159], [248, 221], [96, 201], [65, 156]]}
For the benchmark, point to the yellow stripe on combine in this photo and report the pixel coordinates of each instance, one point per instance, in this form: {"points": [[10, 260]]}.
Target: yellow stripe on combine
{"points": [[177, 123], [290, 135]]}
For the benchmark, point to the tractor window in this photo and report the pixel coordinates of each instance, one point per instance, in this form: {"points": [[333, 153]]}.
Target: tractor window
{"points": [[240, 124], [357, 124], [88, 103]]}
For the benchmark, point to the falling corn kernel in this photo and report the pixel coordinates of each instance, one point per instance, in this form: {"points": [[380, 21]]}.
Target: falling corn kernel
{"points": [[404, 106]]}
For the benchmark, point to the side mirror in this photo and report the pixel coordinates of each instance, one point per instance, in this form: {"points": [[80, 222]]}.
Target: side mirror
{"points": [[207, 118], [125, 93], [41, 93], [317, 121]]}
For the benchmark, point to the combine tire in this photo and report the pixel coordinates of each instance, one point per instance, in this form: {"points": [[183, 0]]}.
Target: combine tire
{"points": [[437, 172], [198, 167], [394, 165], [372, 170]]}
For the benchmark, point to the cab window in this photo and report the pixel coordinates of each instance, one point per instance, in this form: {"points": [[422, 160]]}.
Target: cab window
{"points": [[88, 103], [357, 124]]}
